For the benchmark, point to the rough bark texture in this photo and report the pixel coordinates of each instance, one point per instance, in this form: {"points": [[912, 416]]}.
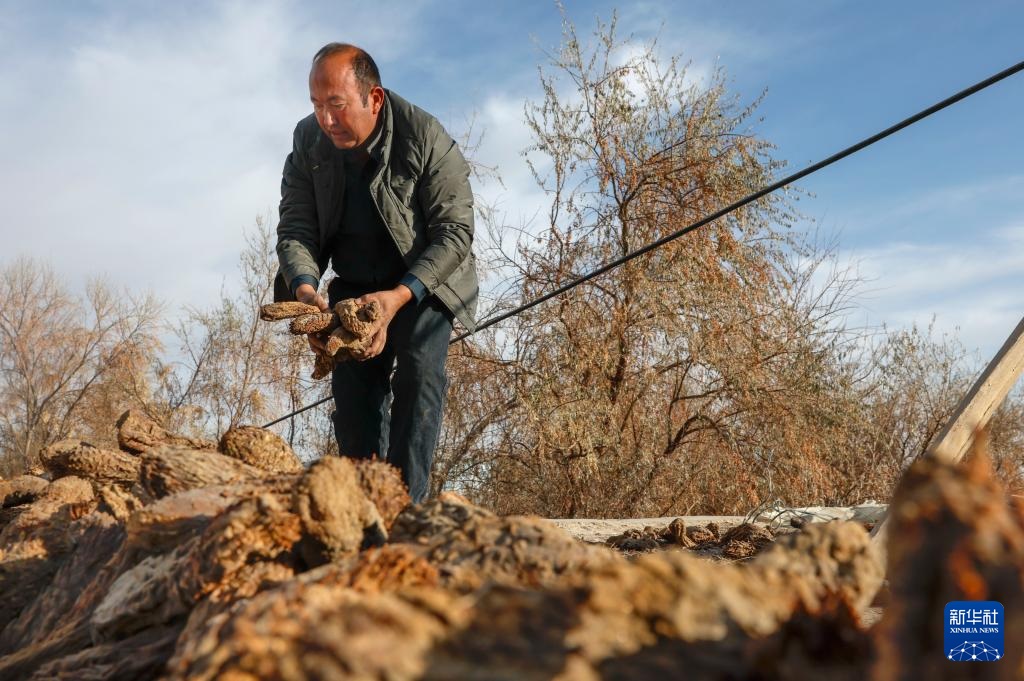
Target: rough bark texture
{"points": [[357, 318], [97, 537], [162, 587], [611, 620], [313, 323], [470, 545], [38, 575], [337, 517], [323, 365], [827, 644], [165, 523], [261, 448], [137, 433], [320, 631], [391, 568], [141, 656], [117, 501], [617, 610], [354, 334], [345, 331], [220, 570], [342, 344], [277, 311], [952, 537], [740, 542], [75, 457], [23, 489], [382, 484], [170, 470]]}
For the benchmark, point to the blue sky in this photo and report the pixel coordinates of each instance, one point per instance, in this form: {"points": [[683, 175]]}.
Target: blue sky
{"points": [[140, 139]]}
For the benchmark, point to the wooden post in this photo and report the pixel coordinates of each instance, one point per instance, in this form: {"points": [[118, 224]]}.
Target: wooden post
{"points": [[975, 409], [978, 405]]}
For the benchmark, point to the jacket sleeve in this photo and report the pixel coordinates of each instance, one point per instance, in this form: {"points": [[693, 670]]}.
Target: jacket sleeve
{"points": [[298, 235], [446, 200]]}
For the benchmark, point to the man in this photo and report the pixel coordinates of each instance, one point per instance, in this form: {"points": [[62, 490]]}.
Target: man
{"points": [[376, 185]]}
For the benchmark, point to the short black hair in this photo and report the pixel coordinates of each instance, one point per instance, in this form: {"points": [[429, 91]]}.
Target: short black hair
{"points": [[365, 69]]}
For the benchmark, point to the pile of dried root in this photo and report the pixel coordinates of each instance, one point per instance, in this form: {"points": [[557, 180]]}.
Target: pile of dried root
{"points": [[177, 558]]}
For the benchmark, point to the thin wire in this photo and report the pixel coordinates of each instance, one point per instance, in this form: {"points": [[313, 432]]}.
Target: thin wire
{"points": [[790, 179]]}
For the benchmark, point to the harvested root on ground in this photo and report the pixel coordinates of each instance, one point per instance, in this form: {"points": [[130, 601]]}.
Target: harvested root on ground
{"points": [[740, 542], [261, 448], [337, 517], [343, 344], [382, 484], [220, 569], [137, 433], [952, 536], [74, 457], [306, 630], [470, 545], [171, 520], [117, 501]]}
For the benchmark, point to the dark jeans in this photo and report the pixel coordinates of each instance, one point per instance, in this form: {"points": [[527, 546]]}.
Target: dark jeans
{"points": [[407, 379]]}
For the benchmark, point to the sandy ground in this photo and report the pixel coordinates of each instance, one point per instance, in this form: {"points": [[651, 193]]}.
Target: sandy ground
{"points": [[597, 530]]}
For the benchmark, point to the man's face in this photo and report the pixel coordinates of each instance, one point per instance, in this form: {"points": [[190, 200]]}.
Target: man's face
{"points": [[338, 105]]}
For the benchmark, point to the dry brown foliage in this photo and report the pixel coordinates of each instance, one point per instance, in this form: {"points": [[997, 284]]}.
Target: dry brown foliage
{"points": [[708, 376], [63, 359]]}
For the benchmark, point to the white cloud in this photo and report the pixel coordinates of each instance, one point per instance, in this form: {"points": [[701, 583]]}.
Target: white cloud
{"points": [[505, 137], [507, 190], [696, 73], [698, 38], [972, 290]]}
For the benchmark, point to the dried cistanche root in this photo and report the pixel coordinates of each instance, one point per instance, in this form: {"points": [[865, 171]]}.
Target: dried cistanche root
{"points": [[313, 323], [346, 331], [342, 339], [357, 318], [196, 565], [354, 336], [138, 433], [739, 543], [261, 448], [323, 365], [276, 311]]}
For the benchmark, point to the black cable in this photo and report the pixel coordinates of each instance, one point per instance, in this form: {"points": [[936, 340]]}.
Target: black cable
{"points": [[906, 122]]}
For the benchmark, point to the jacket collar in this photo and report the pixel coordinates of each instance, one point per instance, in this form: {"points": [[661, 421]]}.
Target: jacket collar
{"points": [[381, 149], [375, 145], [380, 146]]}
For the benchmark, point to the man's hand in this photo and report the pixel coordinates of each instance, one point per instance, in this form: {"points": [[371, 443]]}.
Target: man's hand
{"points": [[390, 303], [308, 295]]}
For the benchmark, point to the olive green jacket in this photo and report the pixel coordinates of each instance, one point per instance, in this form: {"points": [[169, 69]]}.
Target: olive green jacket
{"points": [[421, 189]]}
